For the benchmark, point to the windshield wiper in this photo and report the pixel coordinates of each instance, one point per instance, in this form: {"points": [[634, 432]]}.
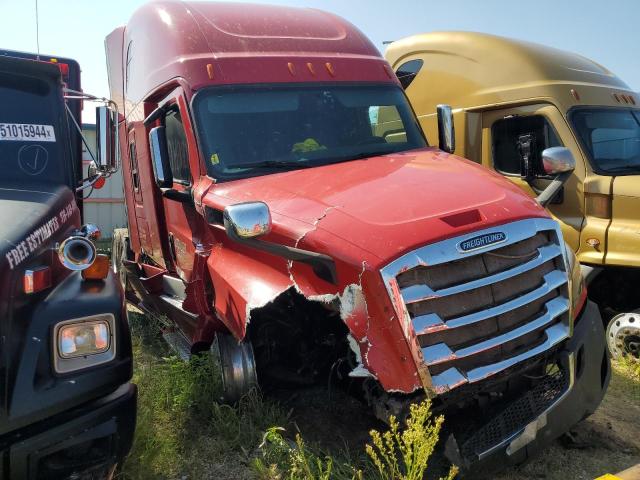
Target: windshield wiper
{"points": [[353, 156], [307, 163], [271, 164]]}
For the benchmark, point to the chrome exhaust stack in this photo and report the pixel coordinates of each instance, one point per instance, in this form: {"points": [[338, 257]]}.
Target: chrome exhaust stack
{"points": [[78, 252]]}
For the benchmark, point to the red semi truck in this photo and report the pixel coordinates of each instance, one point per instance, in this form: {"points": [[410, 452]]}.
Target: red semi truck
{"points": [[285, 209]]}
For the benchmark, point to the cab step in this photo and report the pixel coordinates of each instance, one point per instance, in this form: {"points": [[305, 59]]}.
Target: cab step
{"points": [[178, 344]]}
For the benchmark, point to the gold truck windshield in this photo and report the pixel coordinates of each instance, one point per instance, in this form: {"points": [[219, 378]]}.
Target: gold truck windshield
{"points": [[31, 142], [611, 137], [251, 131]]}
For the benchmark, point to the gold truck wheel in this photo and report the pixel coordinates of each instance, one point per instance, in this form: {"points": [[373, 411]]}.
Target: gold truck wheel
{"points": [[623, 335]]}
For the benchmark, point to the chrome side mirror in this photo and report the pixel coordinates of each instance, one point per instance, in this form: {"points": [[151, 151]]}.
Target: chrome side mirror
{"points": [[107, 151], [247, 220], [160, 157], [556, 160], [446, 129]]}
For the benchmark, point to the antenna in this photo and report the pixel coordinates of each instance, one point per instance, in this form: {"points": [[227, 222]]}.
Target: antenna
{"points": [[37, 31]]}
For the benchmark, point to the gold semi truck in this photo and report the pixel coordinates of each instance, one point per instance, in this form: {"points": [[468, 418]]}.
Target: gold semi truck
{"points": [[512, 100]]}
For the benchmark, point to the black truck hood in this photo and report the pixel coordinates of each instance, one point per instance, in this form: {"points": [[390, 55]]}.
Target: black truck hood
{"points": [[30, 218], [33, 218]]}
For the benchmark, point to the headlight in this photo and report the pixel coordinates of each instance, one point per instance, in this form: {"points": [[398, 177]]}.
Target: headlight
{"points": [[577, 288], [86, 338], [84, 342]]}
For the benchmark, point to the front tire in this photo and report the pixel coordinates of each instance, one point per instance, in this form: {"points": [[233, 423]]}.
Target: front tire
{"points": [[237, 365]]}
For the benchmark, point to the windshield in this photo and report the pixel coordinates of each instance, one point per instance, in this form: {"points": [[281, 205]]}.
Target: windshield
{"points": [[257, 130], [30, 138], [611, 137]]}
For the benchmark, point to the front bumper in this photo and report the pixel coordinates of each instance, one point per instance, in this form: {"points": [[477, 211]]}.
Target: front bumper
{"points": [[83, 443], [585, 378]]}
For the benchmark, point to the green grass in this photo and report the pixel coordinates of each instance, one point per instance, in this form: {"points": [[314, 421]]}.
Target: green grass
{"points": [[184, 432]]}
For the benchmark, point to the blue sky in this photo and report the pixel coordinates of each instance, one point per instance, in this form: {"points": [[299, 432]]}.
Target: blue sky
{"points": [[605, 31]]}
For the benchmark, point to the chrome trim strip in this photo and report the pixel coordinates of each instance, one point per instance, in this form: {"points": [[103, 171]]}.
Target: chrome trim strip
{"points": [[446, 251], [452, 377], [418, 293], [440, 352], [552, 280]]}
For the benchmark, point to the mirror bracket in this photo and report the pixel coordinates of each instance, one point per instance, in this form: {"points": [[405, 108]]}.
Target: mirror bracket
{"points": [[323, 265], [246, 222]]}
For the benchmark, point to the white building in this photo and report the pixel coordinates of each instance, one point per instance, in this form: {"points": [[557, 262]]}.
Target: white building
{"points": [[104, 207]]}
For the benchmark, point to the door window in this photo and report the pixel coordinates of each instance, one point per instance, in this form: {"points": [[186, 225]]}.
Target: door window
{"points": [[516, 137], [177, 148]]}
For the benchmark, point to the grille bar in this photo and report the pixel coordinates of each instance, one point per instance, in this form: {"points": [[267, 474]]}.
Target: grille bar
{"points": [[452, 377], [418, 293], [476, 312], [432, 322], [440, 352]]}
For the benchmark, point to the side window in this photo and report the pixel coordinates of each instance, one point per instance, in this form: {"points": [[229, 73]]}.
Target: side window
{"points": [[177, 148], [408, 71], [133, 162], [513, 136], [387, 124]]}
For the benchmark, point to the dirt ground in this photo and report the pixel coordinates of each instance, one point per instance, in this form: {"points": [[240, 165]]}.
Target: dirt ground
{"points": [[606, 442]]}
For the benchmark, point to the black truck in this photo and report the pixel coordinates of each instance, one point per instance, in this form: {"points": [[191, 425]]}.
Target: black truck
{"points": [[67, 407]]}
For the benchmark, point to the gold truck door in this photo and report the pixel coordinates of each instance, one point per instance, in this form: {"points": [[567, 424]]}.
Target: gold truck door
{"points": [[510, 134], [623, 244]]}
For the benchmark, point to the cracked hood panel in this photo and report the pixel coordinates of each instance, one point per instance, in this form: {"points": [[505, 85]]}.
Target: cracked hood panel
{"points": [[386, 205]]}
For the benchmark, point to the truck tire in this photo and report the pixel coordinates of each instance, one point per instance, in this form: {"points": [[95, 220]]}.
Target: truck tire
{"points": [[237, 366], [119, 253], [623, 336]]}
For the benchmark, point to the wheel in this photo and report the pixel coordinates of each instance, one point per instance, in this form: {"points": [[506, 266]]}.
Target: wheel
{"points": [[237, 365], [119, 253], [623, 335]]}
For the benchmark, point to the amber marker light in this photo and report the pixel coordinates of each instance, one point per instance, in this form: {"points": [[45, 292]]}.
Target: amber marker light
{"points": [[292, 68], [210, 71], [98, 270], [36, 280], [330, 69], [311, 68]]}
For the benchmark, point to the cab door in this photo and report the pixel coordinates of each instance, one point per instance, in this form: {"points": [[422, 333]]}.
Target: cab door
{"points": [[183, 224], [512, 143]]}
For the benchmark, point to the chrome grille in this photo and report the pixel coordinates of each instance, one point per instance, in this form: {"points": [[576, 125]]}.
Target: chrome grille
{"points": [[479, 312]]}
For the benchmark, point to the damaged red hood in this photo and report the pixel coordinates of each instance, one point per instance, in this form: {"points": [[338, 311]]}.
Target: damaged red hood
{"points": [[385, 205]]}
